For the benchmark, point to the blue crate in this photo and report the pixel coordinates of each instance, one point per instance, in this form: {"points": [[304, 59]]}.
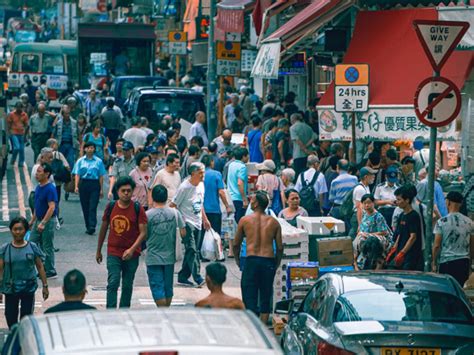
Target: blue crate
{"points": [[327, 269]]}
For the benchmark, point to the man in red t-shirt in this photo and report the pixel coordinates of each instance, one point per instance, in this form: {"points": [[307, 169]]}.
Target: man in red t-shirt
{"points": [[17, 128], [128, 228]]}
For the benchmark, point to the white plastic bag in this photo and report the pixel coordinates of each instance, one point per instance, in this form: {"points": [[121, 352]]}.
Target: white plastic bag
{"points": [[210, 245]]}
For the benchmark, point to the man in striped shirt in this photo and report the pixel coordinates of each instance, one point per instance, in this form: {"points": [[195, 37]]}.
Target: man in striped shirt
{"points": [[340, 186]]}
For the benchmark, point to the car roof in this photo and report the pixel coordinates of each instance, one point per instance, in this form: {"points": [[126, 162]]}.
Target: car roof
{"points": [[136, 77], [411, 280], [167, 90], [94, 331], [44, 48]]}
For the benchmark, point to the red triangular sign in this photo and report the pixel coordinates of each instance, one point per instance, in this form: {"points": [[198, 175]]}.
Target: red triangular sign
{"points": [[439, 39]]}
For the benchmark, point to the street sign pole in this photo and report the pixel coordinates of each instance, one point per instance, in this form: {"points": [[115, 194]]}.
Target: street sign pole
{"points": [[211, 77], [430, 204], [354, 150], [177, 69]]}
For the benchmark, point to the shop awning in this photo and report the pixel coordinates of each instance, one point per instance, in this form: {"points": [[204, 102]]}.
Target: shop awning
{"points": [[386, 4], [387, 41], [304, 24], [230, 14], [272, 10]]}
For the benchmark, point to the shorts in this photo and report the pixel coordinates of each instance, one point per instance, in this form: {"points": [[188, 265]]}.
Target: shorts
{"points": [[160, 278], [257, 283]]}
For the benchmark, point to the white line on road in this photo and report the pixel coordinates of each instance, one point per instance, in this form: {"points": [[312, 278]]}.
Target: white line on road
{"points": [[29, 185], [5, 212], [19, 189]]}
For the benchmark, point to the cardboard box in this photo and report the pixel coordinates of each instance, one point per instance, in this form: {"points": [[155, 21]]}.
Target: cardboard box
{"points": [[321, 225], [302, 270], [278, 323], [335, 251]]}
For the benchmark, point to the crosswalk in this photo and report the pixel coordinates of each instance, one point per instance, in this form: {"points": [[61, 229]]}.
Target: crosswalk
{"points": [[97, 302], [15, 189]]}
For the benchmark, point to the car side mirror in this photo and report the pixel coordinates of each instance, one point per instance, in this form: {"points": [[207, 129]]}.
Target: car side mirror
{"points": [[284, 307]]}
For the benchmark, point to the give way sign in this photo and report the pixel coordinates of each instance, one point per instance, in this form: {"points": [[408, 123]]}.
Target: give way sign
{"points": [[437, 101], [439, 39]]}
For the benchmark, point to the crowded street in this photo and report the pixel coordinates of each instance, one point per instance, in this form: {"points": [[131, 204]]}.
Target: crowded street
{"points": [[236, 177]]}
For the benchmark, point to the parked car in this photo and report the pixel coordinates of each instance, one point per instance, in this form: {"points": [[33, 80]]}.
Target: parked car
{"points": [[381, 313], [157, 102], [158, 331], [123, 85]]}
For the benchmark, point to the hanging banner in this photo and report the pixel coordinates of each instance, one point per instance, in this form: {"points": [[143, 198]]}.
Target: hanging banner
{"points": [[379, 123], [268, 61]]}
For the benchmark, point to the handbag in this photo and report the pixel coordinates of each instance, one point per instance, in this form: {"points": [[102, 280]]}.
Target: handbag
{"points": [[277, 204], [60, 172]]}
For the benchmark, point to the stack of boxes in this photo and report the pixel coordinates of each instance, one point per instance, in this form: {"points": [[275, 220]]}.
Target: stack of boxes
{"points": [[300, 277], [295, 249]]}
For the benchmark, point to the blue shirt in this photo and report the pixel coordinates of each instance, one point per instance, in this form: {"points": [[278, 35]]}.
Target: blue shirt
{"points": [[237, 170], [340, 186], [439, 200], [212, 184], [99, 144], [67, 132], [91, 169], [43, 195], [255, 154]]}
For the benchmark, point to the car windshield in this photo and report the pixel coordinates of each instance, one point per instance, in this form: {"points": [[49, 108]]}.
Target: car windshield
{"points": [[180, 106], [391, 305], [53, 64]]}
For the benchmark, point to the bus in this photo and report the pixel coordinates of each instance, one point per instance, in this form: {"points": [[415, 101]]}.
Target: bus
{"points": [[56, 62]]}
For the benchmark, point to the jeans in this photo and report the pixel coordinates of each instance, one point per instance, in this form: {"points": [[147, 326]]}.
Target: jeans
{"points": [[215, 219], [45, 240], [112, 135], [12, 303], [18, 148], [89, 194], [125, 269], [257, 284], [299, 165], [38, 141], [239, 210], [191, 264], [160, 278], [67, 149]]}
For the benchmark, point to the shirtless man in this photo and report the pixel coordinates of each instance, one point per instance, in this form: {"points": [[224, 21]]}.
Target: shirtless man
{"points": [[215, 278], [261, 263]]}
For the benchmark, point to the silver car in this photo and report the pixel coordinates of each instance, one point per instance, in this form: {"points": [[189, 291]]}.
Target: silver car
{"points": [[180, 331], [383, 313]]}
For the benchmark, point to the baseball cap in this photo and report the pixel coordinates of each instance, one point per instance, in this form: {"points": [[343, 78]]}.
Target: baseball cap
{"points": [[151, 149], [366, 171], [267, 165], [127, 145], [392, 174]]}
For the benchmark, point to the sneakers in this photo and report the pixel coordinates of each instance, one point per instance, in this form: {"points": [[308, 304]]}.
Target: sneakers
{"points": [[90, 231], [185, 283], [52, 275], [200, 282]]}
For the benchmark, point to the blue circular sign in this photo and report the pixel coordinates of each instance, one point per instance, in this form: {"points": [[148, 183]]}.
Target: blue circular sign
{"points": [[228, 46], [351, 74], [177, 36]]}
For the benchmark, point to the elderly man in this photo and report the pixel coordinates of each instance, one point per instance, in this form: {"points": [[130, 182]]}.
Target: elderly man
{"points": [[189, 200], [40, 128], [229, 114], [65, 132], [197, 129], [302, 136], [224, 144], [312, 179]]}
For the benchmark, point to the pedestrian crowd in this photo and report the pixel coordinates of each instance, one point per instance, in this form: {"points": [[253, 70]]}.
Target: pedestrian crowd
{"points": [[164, 194]]}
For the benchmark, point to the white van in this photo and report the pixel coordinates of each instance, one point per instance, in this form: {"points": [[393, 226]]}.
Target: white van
{"points": [[182, 331]]}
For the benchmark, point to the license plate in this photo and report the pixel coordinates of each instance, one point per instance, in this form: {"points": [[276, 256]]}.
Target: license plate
{"points": [[410, 351]]}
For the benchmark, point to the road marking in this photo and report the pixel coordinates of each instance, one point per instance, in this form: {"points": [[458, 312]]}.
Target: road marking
{"points": [[29, 185], [5, 212], [37, 305], [19, 189]]}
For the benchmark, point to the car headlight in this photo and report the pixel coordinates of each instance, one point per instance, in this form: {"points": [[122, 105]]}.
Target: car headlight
{"points": [[291, 344]]}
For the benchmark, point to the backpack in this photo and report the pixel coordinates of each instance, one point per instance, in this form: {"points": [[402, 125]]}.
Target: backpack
{"points": [[277, 204], [308, 199], [347, 206], [111, 206]]}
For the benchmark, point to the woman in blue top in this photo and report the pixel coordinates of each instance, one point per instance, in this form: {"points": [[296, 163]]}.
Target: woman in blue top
{"points": [[96, 137], [89, 182]]}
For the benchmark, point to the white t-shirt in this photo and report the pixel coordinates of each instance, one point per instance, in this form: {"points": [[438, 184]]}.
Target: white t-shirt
{"points": [[168, 180], [385, 192], [136, 136], [320, 186], [189, 200], [455, 230], [359, 191]]}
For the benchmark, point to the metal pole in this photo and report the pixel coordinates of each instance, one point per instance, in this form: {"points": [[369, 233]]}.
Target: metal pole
{"points": [[177, 70], [221, 103], [211, 76], [430, 203], [353, 123]]}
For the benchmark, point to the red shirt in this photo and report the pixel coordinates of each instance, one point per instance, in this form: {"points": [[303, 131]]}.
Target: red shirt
{"points": [[123, 228], [17, 122]]}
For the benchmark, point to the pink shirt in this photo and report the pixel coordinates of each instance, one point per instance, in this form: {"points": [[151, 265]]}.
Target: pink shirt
{"points": [[142, 180], [269, 183]]}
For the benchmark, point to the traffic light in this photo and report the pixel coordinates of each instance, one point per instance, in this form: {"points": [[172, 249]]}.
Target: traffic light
{"points": [[202, 27]]}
